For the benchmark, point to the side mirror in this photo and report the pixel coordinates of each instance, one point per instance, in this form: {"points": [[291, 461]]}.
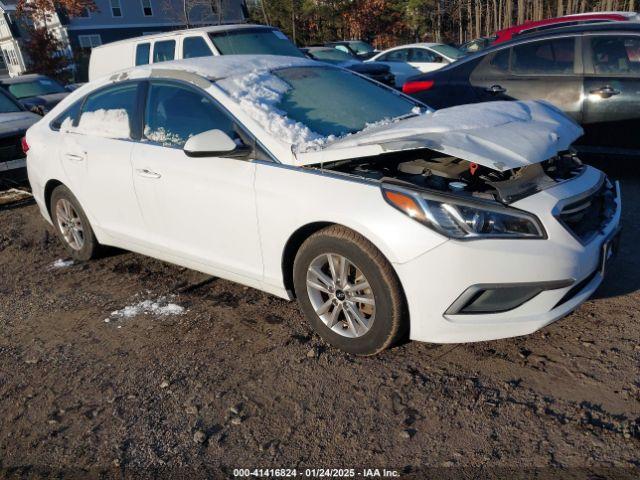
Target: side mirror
{"points": [[214, 143]]}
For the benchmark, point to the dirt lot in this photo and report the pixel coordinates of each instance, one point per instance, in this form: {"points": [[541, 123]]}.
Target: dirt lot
{"points": [[239, 380]]}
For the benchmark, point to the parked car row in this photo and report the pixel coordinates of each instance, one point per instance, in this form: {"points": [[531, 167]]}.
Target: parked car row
{"points": [[590, 72]]}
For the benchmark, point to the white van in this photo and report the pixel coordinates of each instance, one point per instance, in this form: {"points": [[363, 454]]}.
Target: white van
{"points": [[197, 42]]}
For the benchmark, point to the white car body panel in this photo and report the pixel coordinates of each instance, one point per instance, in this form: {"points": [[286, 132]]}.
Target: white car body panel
{"points": [[233, 218], [404, 70]]}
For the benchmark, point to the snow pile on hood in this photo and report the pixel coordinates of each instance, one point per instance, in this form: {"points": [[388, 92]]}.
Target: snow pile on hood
{"points": [[498, 135], [162, 306], [258, 93], [101, 123]]}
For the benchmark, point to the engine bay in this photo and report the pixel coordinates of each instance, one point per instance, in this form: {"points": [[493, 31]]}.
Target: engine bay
{"points": [[429, 170]]}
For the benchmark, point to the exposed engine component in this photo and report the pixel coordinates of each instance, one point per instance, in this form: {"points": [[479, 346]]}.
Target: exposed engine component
{"points": [[430, 170]]}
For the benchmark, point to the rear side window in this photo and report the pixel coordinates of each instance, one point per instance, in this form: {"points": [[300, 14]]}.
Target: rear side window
{"points": [[109, 112], [142, 53], [175, 113], [396, 56], [421, 55], [193, 47], [164, 51], [618, 55], [546, 57]]}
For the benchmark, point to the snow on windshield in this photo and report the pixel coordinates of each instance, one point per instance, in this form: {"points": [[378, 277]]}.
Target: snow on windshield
{"points": [[259, 94], [101, 123]]}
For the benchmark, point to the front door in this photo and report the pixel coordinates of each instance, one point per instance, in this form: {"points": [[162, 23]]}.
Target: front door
{"points": [[542, 69], [199, 209], [611, 116]]}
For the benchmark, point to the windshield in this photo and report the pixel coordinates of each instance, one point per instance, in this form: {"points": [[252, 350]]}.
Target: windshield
{"points": [[7, 105], [361, 47], [34, 88], [253, 41], [448, 51], [330, 101], [331, 55]]}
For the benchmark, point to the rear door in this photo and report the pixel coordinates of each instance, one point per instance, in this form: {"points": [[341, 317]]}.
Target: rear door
{"points": [[611, 116], [96, 155], [549, 69]]}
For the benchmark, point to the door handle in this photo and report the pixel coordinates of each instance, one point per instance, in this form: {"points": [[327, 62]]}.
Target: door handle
{"points": [[75, 157], [605, 92], [143, 172], [495, 89]]}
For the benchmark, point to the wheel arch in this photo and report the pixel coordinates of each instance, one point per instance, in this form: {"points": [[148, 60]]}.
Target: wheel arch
{"points": [[50, 186]]}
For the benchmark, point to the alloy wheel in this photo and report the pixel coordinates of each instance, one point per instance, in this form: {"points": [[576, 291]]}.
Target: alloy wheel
{"points": [[70, 224], [341, 295]]}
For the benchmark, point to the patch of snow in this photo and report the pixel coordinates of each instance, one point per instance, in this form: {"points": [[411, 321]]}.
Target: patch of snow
{"points": [[258, 93], [101, 123], [163, 136], [161, 306], [60, 263]]}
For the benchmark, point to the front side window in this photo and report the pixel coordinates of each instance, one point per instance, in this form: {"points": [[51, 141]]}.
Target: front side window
{"points": [[175, 113], [396, 56], [107, 113], [34, 88], [253, 41], [142, 53], [164, 51], [116, 8], [448, 51], [618, 55], [546, 57], [194, 47]]}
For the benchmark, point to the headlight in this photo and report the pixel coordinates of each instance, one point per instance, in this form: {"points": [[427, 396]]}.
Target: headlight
{"points": [[464, 219]]}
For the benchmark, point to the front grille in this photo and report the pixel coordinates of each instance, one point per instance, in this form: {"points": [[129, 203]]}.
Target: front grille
{"points": [[11, 148], [589, 215]]}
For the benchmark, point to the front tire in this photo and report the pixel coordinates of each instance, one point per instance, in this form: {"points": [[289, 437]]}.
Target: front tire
{"points": [[72, 225], [349, 292]]}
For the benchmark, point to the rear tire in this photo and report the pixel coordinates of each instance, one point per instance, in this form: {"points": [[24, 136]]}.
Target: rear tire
{"points": [[72, 225], [349, 292]]}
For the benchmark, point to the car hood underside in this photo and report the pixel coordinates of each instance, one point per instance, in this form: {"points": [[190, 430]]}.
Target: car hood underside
{"points": [[498, 135]]}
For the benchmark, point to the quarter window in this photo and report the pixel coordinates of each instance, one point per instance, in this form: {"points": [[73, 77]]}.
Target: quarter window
{"points": [[70, 116], [616, 55], [109, 112], [164, 51], [500, 60], [175, 113], [547, 57], [193, 47], [116, 8], [142, 53]]}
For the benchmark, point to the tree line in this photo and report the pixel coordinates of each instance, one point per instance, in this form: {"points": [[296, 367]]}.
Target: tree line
{"points": [[390, 22]]}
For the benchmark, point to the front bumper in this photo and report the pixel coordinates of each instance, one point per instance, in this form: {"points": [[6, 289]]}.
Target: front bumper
{"points": [[436, 279]]}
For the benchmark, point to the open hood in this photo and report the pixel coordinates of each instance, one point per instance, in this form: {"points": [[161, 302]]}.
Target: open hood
{"points": [[497, 135]]}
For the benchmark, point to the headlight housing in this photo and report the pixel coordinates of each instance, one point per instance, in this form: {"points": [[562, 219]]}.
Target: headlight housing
{"points": [[464, 219]]}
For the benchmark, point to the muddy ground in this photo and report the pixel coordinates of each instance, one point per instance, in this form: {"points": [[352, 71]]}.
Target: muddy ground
{"points": [[240, 381]]}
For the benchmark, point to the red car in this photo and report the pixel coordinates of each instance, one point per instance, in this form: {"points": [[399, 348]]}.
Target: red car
{"points": [[566, 21], [507, 34]]}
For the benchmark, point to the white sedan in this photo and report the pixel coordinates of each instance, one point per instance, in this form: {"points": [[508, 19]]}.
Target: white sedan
{"points": [[383, 218], [408, 60]]}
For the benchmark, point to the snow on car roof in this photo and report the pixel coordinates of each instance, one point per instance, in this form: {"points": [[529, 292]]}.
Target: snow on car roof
{"points": [[223, 66]]}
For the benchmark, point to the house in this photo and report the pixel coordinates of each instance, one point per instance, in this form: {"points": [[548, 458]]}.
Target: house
{"points": [[119, 19], [12, 31]]}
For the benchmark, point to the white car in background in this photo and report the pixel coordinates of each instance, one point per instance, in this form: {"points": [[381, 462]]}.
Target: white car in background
{"points": [[408, 60], [383, 217]]}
